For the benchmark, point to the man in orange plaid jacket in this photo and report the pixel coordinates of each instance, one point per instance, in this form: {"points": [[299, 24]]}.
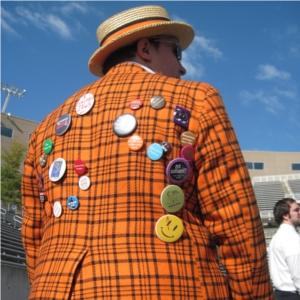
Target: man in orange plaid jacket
{"points": [[135, 187]]}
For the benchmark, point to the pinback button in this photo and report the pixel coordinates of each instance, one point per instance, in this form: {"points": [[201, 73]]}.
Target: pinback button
{"points": [[188, 152], [166, 147], [48, 146], [57, 209], [57, 169], [84, 183], [178, 170], [172, 198], [63, 124], [135, 142], [157, 102], [169, 228], [124, 125], [72, 202], [43, 196], [155, 151], [187, 137], [80, 167], [181, 117], [85, 104], [136, 104], [43, 160]]}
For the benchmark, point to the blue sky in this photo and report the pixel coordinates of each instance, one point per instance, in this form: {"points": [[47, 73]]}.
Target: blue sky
{"points": [[250, 51]]}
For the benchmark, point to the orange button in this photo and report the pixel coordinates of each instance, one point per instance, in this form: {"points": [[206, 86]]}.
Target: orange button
{"points": [[135, 142]]}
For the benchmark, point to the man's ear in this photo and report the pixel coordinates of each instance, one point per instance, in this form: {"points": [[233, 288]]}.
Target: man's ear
{"points": [[143, 50], [286, 217]]}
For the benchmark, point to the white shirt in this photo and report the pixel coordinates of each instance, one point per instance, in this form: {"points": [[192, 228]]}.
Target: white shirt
{"points": [[284, 259]]}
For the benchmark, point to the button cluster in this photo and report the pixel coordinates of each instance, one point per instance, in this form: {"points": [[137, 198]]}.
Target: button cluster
{"points": [[58, 167]]}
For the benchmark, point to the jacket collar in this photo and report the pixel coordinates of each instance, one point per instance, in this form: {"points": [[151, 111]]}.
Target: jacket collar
{"points": [[129, 67]]}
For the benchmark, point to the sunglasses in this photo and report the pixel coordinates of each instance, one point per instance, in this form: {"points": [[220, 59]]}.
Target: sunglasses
{"points": [[176, 49]]}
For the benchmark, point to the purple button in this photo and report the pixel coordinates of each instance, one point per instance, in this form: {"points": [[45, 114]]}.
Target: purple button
{"points": [[188, 152], [181, 117], [178, 170]]}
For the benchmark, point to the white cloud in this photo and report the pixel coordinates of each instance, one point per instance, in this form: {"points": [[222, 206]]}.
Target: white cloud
{"points": [[59, 26], [54, 18], [193, 57], [45, 21], [268, 72], [270, 101], [207, 46], [74, 7]]}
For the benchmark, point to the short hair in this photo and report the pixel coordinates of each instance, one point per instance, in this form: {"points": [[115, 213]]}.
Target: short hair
{"points": [[281, 208], [123, 54]]}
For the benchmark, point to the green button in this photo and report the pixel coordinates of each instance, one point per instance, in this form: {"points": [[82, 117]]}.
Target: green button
{"points": [[169, 228], [172, 198], [48, 146]]}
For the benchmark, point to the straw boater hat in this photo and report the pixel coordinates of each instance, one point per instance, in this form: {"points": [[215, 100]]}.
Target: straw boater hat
{"points": [[130, 25]]}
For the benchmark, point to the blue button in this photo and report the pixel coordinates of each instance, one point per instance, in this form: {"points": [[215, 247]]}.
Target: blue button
{"points": [[72, 202], [155, 151]]}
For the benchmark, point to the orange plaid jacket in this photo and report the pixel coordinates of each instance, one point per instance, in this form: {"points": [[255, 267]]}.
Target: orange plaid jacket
{"points": [[107, 248]]}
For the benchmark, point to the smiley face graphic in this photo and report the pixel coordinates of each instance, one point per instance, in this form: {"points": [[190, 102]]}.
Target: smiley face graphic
{"points": [[169, 228]]}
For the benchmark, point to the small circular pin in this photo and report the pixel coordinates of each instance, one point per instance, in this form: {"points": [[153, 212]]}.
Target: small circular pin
{"points": [[72, 202], [136, 104], [167, 147], [135, 142], [84, 183], [85, 104], [43, 160], [155, 151], [48, 146], [188, 137], [169, 228], [178, 170], [172, 198], [188, 152], [157, 102], [63, 124], [124, 125], [80, 167], [57, 209], [57, 169]]}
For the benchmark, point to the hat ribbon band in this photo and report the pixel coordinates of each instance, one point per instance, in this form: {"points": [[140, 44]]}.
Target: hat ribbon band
{"points": [[129, 28]]}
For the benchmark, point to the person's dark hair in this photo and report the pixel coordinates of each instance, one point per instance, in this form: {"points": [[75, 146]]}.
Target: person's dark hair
{"points": [[121, 55], [281, 208]]}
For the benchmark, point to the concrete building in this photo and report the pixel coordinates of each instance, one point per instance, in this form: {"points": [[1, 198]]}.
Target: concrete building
{"points": [[15, 129]]}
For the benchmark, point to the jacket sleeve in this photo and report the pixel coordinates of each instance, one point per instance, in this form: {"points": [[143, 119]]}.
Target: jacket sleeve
{"points": [[228, 204], [32, 210]]}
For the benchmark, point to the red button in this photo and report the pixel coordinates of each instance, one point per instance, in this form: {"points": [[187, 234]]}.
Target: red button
{"points": [[80, 167], [136, 104], [188, 152]]}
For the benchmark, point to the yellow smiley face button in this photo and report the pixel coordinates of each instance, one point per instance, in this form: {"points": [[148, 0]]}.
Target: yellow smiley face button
{"points": [[169, 228]]}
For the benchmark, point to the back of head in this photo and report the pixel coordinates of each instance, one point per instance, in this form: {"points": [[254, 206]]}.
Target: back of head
{"points": [[127, 27], [282, 208]]}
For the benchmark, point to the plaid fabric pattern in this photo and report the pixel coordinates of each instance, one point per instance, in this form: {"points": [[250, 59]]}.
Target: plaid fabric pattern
{"points": [[107, 248]]}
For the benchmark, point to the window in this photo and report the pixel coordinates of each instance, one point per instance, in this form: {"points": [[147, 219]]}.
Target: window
{"points": [[5, 131], [258, 166], [296, 166], [249, 165]]}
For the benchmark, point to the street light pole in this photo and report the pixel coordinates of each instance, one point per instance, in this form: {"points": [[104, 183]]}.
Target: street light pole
{"points": [[10, 90]]}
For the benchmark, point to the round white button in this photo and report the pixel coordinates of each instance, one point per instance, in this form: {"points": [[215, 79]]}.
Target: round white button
{"points": [[84, 182], [85, 104], [57, 209]]}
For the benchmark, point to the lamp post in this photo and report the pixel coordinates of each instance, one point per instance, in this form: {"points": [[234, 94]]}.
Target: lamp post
{"points": [[10, 90]]}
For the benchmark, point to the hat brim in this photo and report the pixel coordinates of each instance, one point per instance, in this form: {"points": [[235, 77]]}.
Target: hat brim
{"points": [[182, 31]]}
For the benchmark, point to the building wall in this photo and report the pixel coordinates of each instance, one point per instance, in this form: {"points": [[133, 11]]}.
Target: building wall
{"points": [[19, 129], [274, 163]]}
